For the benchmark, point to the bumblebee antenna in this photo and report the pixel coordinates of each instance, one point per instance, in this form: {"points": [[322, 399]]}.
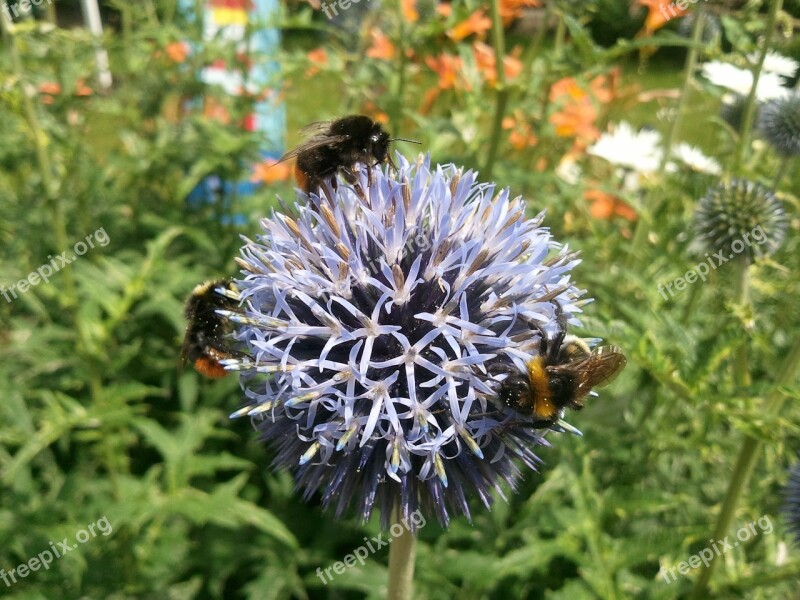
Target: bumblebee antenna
{"points": [[405, 140]]}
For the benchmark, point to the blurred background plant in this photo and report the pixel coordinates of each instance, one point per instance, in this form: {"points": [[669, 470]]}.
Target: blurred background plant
{"points": [[613, 118]]}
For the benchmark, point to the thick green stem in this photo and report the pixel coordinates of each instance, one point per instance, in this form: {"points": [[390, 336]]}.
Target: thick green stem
{"points": [[750, 104], [402, 554], [501, 99], [645, 219], [745, 463]]}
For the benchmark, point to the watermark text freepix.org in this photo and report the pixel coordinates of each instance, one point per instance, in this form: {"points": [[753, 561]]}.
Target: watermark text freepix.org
{"points": [[717, 548], [56, 263], [676, 9], [46, 557], [23, 7], [361, 553], [342, 4], [702, 269]]}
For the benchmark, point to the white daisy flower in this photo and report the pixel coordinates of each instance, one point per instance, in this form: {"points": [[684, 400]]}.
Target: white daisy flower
{"points": [[694, 158], [569, 171], [776, 63], [740, 81], [640, 151]]}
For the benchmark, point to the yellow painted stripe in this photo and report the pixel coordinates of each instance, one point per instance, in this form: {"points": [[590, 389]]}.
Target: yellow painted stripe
{"points": [[229, 16]]}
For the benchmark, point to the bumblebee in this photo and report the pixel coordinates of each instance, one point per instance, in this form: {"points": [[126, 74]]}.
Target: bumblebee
{"points": [[560, 377], [338, 146], [205, 343]]}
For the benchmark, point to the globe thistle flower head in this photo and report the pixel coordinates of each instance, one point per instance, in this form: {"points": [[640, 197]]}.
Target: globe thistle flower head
{"points": [[373, 324], [792, 501], [712, 28], [740, 218], [732, 110], [779, 123]]}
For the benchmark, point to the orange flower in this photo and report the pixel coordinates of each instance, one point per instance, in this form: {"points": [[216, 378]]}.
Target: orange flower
{"points": [[81, 89], [521, 135], [177, 51], [604, 87], [477, 23], [576, 120], [512, 9], [578, 113], [318, 58], [409, 10], [444, 9], [567, 86], [270, 171], [369, 108], [381, 48], [48, 89], [484, 57], [605, 206], [659, 13], [216, 111], [447, 67]]}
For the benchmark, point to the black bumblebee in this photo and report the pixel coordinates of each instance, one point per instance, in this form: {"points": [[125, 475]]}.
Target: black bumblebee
{"points": [[205, 343], [338, 146], [560, 377]]}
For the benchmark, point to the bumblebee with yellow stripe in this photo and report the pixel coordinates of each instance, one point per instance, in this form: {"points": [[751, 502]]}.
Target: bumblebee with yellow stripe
{"points": [[559, 377]]}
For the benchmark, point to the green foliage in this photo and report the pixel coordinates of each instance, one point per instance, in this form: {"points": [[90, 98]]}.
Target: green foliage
{"points": [[98, 420]]}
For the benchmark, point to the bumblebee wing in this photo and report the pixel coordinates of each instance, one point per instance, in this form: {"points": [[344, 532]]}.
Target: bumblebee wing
{"points": [[600, 368], [313, 144], [316, 128], [318, 136], [186, 348]]}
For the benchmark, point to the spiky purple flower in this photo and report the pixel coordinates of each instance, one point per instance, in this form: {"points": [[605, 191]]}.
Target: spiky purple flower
{"points": [[373, 325], [780, 124]]}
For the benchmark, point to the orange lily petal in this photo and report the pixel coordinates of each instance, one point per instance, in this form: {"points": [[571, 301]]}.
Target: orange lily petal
{"points": [[381, 48], [512, 9], [409, 10], [177, 51], [477, 23]]}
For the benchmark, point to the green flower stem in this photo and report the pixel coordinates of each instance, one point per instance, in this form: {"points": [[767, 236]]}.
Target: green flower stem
{"points": [[742, 366], [782, 169], [49, 183], [643, 225], [534, 48], [691, 302], [750, 104], [402, 554], [561, 36], [50, 13], [501, 99], [395, 107], [688, 81], [745, 463]]}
